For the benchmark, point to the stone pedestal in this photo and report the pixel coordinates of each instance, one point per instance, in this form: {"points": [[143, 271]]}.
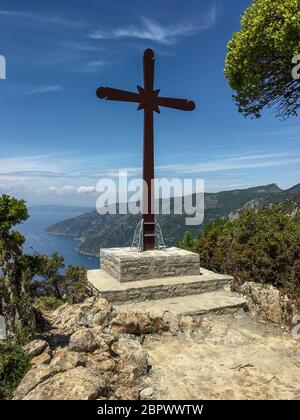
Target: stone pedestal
{"points": [[126, 265], [168, 280]]}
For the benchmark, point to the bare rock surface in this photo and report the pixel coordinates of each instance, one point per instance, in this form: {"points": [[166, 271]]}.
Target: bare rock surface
{"points": [[69, 318], [43, 358], [74, 384], [83, 340], [267, 301], [64, 359], [36, 375], [81, 358], [35, 347], [227, 357], [90, 351], [138, 321]]}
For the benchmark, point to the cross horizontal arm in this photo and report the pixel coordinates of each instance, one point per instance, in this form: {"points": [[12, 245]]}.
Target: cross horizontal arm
{"points": [[117, 95], [183, 104]]}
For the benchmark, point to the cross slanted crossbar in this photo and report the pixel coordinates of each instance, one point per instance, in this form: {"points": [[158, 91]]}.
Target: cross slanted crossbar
{"points": [[149, 100]]}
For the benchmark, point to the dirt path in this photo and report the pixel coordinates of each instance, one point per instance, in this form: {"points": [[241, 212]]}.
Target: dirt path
{"points": [[229, 357]]}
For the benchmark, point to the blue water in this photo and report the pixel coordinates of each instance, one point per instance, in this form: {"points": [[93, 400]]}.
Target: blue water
{"points": [[44, 243]]}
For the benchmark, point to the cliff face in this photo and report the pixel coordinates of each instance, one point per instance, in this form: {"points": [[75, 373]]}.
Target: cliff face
{"points": [[97, 231]]}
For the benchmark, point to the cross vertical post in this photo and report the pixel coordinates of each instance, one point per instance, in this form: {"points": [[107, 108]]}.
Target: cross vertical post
{"points": [[150, 101], [148, 157]]}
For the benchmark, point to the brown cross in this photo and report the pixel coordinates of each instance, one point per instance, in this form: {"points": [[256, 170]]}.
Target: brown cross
{"points": [[148, 100]]}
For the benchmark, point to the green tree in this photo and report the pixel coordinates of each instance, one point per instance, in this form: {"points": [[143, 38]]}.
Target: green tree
{"points": [[76, 284], [187, 242], [17, 271], [259, 60], [52, 279], [52, 286], [26, 279]]}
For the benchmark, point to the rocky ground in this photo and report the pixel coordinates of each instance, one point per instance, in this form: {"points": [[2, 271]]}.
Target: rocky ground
{"points": [[91, 351], [232, 356]]}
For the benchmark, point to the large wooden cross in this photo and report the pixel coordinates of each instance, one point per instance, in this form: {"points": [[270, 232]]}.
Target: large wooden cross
{"points": [[149, 100]]}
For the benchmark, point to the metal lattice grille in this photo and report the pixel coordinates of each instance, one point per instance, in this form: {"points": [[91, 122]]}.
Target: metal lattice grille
{"points": [[137, 242]]}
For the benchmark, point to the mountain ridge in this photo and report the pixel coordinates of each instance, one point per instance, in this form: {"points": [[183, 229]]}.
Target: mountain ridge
{"points": [[97, 231]]}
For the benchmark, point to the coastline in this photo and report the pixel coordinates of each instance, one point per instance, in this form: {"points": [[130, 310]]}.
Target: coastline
{"points": [[60, 234], [86, 253]]}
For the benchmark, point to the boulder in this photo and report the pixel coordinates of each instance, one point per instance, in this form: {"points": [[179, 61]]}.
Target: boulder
{"points": [[33, 377], [41, 359], [35, 347], [68, 318], [83, 340], [101, 362], [66, 360], [146, 393], [169, 322], [138, 322], [266, 301], [126, 393], [187, 324], [75, 384], [103, 340], [132, 356]]}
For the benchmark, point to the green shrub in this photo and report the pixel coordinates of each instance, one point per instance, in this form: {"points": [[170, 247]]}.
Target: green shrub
{"points": [[47, 303], [187, 242], [14, 363], [72, 286], [260, 245]]}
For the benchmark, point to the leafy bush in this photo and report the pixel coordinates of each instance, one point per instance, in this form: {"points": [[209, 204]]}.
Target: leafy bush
{"points": [[16, 271], [23, 277], [259, 60], [14, 363], [72, 286], [28, 284], [47, 303], [261, 245], [187, 242]]}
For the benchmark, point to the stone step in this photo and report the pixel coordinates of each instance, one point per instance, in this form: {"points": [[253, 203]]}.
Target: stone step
{"points": [[108, 287], [220, 301]]}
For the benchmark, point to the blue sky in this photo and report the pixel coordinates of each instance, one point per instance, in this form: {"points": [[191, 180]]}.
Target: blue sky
{"points": [[57, 138]]}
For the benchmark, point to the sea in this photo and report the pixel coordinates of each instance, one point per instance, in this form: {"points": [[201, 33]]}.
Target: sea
{"points": [[39, 241]]}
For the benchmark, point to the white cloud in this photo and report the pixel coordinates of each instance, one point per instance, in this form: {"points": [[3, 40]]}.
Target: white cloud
{"points": [[58, 167], [152, 30], [70, 190], [67, 189], [45, 89], [93, 66], [86, 190], [229, 164], [38, 18], [30, 163], [52, 189], [55, 176]]}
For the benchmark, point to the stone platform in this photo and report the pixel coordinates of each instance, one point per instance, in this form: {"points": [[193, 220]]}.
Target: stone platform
{"points": [[170, 280], [108, 287], [127, 265], [219, 301]]}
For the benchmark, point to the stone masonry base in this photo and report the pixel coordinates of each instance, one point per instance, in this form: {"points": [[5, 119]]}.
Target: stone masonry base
{"points": [[126, 265]]}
